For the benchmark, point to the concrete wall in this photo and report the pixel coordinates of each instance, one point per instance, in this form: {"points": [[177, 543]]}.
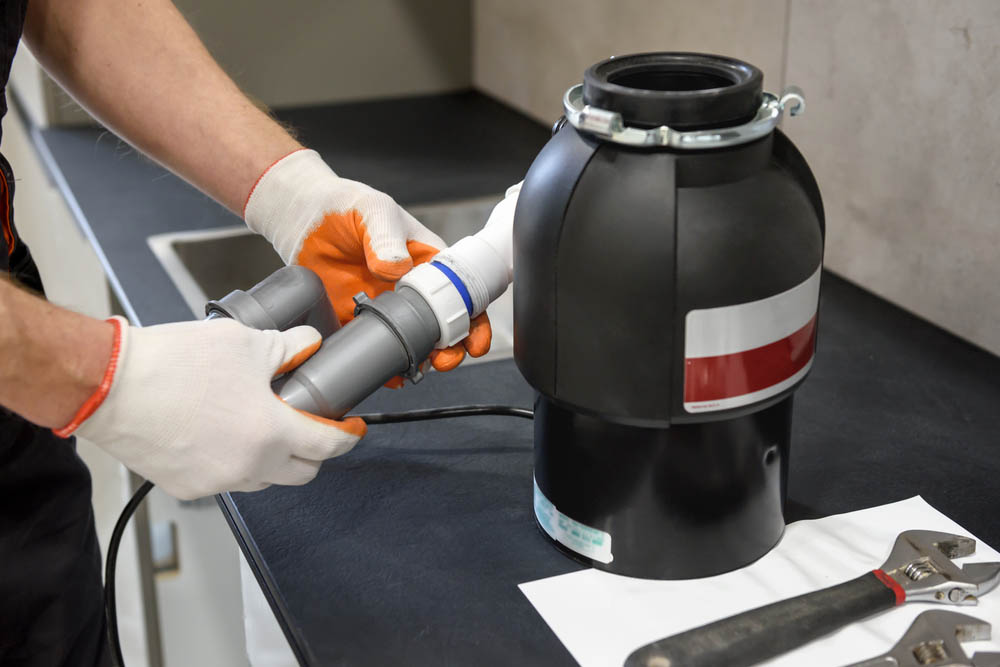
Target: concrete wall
{"points": [[303, 52], [300, 52], [528, 53], [903, 133], [902, 124]]}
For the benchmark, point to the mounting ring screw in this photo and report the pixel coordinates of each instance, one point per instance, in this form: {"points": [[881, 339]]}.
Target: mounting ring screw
{"points": [[793, 99]]}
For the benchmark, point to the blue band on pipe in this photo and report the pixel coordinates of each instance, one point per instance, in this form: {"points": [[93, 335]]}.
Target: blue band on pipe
{"points": [[457, 282]]}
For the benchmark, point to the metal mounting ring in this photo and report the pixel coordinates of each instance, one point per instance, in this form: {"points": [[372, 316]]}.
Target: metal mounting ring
{"points": [[608, 125]]}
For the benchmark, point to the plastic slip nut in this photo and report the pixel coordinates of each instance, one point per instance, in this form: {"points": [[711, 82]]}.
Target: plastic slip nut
{"points": [[444, 300]]}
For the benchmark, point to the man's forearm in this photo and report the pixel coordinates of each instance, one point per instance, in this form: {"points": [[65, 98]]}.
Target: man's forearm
{"points": [[139, 68], [51, 360]]}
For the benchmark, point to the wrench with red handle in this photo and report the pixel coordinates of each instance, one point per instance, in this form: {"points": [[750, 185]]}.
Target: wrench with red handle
{"points": [[918, 569]]}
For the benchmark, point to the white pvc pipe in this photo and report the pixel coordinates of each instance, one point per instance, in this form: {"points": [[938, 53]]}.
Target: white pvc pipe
{"points": [[485, 261]]}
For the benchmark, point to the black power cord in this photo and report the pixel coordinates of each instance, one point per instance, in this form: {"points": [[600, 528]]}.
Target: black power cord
{"points": [[110, 609], [446, 413]]}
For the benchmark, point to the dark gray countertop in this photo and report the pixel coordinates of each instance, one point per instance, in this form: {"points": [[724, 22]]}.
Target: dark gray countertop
{"points": [[411, 547], [414, 543]]}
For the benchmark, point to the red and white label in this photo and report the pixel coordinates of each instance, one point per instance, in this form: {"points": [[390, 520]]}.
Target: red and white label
{"points": [[738, 355]]}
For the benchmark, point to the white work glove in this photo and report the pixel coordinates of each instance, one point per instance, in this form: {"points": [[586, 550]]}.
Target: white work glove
{"points": [[354, 237], [190, 407]]}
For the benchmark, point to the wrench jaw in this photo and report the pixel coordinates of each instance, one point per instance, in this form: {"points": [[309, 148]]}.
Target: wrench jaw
{"points": [[985, 575], [920, 563], [935, 638], [938, 635]]}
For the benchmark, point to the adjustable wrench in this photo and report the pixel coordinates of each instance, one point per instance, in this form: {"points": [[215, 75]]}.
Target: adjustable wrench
{"points": [[919, 568], [935, 638]]}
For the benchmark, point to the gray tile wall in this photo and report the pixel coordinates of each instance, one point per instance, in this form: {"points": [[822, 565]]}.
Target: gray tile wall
{"points": [[902, 124]]}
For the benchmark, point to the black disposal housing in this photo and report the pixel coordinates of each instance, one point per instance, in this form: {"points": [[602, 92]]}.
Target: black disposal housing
{"points": [[665, 303]]}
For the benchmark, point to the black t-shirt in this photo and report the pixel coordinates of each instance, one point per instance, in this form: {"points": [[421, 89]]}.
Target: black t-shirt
{"points": [[14, 257], [11, 24], [46, 524]]}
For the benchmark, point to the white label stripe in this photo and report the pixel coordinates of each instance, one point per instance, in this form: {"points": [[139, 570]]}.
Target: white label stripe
{"points": [[711, 332]]}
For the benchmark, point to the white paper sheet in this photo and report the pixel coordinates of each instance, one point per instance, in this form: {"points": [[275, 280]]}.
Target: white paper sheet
{"points": [[601, 618]]}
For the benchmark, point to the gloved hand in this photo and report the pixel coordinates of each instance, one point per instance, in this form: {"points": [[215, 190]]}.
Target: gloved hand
{"points": [[190, 407], [355, 238]]}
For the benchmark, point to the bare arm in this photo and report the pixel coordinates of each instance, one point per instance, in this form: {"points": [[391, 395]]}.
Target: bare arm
{"points": [[140, 69], [52, 359]]}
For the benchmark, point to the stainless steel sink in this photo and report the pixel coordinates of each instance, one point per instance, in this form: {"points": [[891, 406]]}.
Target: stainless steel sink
{"points": [[209, 264]]}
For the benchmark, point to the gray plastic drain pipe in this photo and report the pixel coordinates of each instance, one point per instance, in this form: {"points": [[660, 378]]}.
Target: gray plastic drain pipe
{"points": [[390, 335]]}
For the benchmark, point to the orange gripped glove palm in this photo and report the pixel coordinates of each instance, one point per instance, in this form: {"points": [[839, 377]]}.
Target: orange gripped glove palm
{"points": [[354, 237]]}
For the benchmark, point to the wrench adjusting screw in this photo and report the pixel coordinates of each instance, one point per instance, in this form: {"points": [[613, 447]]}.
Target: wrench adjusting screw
{"points": [[927, 653]]}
